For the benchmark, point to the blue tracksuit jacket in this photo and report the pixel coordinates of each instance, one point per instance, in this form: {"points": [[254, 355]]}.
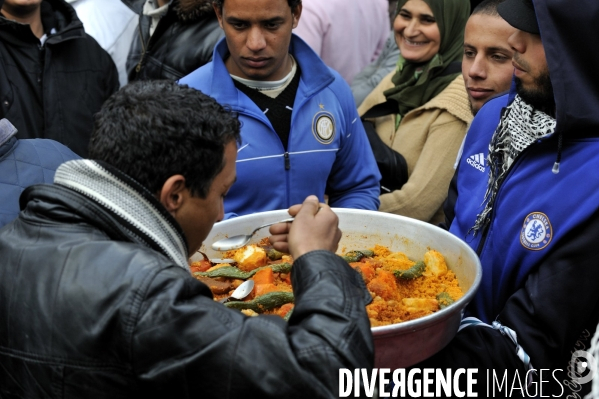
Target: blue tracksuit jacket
{"points": [[539, 253], [328, 151]]}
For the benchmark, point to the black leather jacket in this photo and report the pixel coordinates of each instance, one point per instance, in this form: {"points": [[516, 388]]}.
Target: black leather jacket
{"points": [[88, 311], [182, 42]]}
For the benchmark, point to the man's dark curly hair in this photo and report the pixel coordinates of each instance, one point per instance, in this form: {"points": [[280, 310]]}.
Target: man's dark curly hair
{"points": [[292, 3], [152, 130]]}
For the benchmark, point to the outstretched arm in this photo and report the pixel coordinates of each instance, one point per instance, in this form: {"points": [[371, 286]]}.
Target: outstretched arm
{"points": [[201, 348]]}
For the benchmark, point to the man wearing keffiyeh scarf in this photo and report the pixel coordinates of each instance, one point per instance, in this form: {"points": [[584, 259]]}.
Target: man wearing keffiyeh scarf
{"points": [[528, 118], [521, 125], [527, 201]]}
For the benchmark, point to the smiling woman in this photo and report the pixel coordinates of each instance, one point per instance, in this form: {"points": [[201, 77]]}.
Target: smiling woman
{"points": [[416, 32], [430, 104]]}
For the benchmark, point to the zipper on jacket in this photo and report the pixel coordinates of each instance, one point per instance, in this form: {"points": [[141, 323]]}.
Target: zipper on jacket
{"points": [[158, 32], [40, 72], [287, 162], [483, 238], [481, 243], [40, 82], [143, 49]]}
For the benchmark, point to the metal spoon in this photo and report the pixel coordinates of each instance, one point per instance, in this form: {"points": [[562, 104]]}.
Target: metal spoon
{"points": [[221, 261], [239, 241], [240, 292], [216, 261]]}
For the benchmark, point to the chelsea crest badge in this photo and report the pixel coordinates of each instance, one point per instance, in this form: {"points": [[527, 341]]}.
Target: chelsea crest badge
{"points": [[536, 231], [323, 127]]}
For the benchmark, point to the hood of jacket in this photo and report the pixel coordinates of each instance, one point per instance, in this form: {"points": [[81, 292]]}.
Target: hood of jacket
{"points": [[570, 39], [59, 14], [187, 10]]}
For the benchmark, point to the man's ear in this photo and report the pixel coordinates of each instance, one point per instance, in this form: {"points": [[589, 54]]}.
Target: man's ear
{"points": [[219, 15], [173, 193], [296, 15]]}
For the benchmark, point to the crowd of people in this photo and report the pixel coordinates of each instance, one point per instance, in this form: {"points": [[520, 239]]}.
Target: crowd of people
{"points": [[128, 128]]}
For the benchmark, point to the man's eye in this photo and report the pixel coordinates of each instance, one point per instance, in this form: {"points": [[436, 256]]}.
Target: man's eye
{"points": [[469, 53], [500, 58]]}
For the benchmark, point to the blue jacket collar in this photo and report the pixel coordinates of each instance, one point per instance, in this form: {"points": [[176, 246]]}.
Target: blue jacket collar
{"points": [[315, 75]]}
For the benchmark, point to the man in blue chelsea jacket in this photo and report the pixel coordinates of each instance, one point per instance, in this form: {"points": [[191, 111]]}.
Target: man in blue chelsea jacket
{"points": [[301, 133], [528, 203]]}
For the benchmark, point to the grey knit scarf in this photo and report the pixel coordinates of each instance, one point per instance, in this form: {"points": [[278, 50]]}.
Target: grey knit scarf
{"points": [[124, 197], [520, 126]]}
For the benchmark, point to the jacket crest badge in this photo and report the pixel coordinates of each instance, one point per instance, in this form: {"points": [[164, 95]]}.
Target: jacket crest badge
{"points": [[323, 127], [536, 231]]}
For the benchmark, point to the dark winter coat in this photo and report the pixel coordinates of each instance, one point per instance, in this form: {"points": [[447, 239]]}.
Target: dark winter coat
{"points": [[53, 90], [182, 42]]}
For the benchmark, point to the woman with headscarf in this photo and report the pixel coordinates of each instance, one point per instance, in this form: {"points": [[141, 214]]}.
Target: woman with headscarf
{"points": [[431, 111]]}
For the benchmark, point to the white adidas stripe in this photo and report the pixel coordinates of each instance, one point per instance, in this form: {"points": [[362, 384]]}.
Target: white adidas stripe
{"points": [[480, 158]]}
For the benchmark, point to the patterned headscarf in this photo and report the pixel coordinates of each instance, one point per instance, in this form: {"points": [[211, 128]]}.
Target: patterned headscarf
{"points": [[415, 84]]}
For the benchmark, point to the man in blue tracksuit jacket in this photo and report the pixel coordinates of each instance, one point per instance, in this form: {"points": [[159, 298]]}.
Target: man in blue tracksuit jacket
{"points": [[538, 302], [296, 144]]}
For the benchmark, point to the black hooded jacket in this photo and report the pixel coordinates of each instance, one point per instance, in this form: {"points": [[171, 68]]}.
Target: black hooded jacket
{"points": [[53, 90], [182, 42]]}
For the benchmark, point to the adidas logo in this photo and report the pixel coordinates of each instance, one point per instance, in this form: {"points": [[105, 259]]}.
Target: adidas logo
{"points": [[477, 161]]}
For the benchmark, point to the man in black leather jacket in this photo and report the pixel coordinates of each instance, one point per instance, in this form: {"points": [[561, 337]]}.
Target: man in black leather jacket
{"points": [[96, 297], [173, 38]]}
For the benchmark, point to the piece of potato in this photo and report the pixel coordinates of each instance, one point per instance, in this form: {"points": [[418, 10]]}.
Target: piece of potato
{"points": [[250, 258], [420, 304], [435, 263], [249, 312]]}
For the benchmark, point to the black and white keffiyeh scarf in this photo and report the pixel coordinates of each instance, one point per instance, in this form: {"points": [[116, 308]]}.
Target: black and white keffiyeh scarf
{"points": [[134, 206], [520, 126]]}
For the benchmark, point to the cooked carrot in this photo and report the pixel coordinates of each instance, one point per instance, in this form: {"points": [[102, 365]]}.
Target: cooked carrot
{"points": [[365, 269], [264, 276], [285, 277], [261, 289], [283, 310], [200, 266], [384, 285]]}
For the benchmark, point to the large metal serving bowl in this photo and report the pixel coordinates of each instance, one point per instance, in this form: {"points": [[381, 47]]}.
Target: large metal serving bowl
{"points": [[402, 344]]}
